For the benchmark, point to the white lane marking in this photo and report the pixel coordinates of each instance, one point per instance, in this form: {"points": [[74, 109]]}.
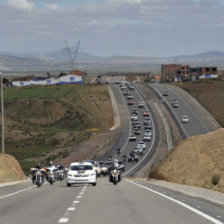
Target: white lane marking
{"points": [[153, 139], [17, 192], [219, 216], [75, 202], [71, 209], [180, 203], [63, 220], [81, 193], [79, 196]]}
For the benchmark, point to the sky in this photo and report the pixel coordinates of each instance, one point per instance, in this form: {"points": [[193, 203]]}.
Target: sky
{"points": [[154, 28]]}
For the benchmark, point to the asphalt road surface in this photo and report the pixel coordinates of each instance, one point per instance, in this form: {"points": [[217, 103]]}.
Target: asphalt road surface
{"points": [[195, 126], [128, 202]]}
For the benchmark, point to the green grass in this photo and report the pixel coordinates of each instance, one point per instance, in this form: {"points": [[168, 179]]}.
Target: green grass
{"points": [[49, 92]]}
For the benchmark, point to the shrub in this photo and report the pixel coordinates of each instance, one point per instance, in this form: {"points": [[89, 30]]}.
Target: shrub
{"points": [[215, 179]]}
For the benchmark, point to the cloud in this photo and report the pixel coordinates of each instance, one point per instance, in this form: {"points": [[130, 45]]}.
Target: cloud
{"points": [[134, 27], [21, 4]]}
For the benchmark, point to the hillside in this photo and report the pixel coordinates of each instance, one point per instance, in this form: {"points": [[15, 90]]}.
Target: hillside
{"points": [[49, 123], [10, 169], [210, 94], [197, 161]]}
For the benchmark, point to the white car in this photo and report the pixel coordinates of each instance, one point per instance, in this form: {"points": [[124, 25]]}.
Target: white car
{"points": [[142, 144], [149, 133], [138, 150], [185, 119], [132, 138], [147, 138], [81, 173], [140, 105], [134, 117]]}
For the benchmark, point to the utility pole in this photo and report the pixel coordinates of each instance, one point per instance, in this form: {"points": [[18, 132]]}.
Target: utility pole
{"points": [[2, 98]]}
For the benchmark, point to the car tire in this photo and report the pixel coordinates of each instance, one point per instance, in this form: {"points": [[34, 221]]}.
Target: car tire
{"points": [[94, 184], [69, 185]]}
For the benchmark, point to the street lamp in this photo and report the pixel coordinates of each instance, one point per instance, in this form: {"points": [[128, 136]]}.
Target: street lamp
{"points": [[3, 140]]}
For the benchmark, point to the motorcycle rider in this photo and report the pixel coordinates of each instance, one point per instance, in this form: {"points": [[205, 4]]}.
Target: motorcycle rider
{"points": [[52, 167], [124, 158], [115, 166], [118, 151], [37, 167]]}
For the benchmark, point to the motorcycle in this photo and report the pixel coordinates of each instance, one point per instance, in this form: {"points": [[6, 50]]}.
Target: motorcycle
{"points": [[115, 176], [39, 179], [124, 158], [61, 175], [118, 151], [50, 176]]}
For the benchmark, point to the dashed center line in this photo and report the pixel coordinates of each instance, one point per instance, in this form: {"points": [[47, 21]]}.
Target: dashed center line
{"points": [[63, 220], [75, 202], [71, 209], [79, 196]]}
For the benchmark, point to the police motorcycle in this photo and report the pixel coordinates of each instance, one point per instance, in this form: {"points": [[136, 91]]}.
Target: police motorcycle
{"points": [[51, 174], [115, 176], [38, 176], [114, 173]]}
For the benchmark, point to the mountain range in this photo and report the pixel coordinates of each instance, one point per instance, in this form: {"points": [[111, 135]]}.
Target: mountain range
{"points": [[61, 60]]}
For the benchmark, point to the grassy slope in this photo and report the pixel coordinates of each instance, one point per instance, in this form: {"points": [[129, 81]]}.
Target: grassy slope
{"points": [[45, 123]]}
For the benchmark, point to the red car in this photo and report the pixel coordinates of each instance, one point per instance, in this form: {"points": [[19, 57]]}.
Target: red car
{"points": [[130, 102], [146, 114]]}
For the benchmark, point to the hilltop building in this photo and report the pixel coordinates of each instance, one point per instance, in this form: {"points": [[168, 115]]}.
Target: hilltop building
{"points": [[177, 73]]}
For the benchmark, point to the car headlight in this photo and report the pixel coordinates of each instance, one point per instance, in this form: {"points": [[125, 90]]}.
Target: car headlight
{"points": [[92, 174], [69, 175]]}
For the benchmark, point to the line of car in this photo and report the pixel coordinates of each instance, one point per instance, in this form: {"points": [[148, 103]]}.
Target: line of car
{"points": [[175, 104], [140, 129]]}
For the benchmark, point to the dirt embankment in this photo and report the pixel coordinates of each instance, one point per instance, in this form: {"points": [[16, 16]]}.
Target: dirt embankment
{"points": [[197, 161], [50, 123], [10, 169], [210, 94]]}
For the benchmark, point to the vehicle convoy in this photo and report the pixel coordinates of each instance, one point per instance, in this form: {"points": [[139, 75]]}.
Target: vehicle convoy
{"points": [[81, 172]]}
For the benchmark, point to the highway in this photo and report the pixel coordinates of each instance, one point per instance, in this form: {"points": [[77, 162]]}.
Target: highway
{"points": [[196, 125], [131, 201]]}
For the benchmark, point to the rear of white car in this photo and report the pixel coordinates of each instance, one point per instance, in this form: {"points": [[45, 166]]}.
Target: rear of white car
{"points": [[81, 173]]}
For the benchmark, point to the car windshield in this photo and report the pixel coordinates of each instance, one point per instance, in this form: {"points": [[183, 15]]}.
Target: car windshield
{"points": [[81, 167]]}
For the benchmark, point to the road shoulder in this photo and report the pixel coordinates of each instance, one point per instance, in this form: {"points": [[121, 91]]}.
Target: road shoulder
{"points": [[197, 192]]}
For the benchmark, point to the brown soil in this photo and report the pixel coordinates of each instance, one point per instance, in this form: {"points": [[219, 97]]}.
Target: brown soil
{"points": [[10, 169], [196, 161], [210, 95]]}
